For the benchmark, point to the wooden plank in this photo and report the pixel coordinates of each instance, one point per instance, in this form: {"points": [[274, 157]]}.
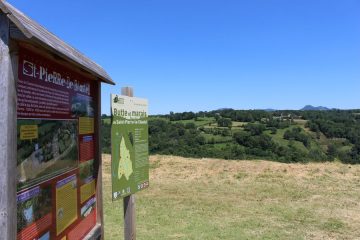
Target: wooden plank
{"points": [[129, 201], [15, 33], [127, 91], [99, 194], [129, 218], [8, 135]]}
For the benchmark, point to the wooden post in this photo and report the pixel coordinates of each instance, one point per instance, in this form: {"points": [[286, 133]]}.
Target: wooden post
{"points": [[129, 201], [127, 91], [99, 194], [8, 135]]}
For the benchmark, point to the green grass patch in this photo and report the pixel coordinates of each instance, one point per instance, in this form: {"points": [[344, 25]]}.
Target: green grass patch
{"points": [[210, 138], [198, 122], [238, 124], [333, 225], [279, 139]]}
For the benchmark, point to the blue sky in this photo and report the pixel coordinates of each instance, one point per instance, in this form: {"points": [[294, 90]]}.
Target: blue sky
{"points": [[192, 55]]}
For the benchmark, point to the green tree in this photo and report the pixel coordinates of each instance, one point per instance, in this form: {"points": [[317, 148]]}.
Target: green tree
{"points": [[255, 128], [224, 122]]}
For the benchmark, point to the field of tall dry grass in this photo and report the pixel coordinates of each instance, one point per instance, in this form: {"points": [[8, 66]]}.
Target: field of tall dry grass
{"points": [[222, 199]]}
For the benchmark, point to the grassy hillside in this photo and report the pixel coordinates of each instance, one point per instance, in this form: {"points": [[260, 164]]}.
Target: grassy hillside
{"points": [[219, 199]]}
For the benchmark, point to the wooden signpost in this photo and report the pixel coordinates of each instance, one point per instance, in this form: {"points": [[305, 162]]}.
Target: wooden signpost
{"points": [[129, 148], [129, 201]]}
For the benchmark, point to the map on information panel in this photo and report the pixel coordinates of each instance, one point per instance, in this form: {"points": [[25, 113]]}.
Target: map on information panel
{"points": [[125, 165]]}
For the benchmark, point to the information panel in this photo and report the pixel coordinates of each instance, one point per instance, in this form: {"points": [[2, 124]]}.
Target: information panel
{"points": [[129, 145], [55, 150]]}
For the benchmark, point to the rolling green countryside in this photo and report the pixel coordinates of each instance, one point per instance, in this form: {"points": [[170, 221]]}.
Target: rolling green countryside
{"points": [[283, 136]]}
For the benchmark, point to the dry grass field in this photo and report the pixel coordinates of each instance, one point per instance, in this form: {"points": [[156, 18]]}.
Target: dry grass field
{"points": [[222, 199]]}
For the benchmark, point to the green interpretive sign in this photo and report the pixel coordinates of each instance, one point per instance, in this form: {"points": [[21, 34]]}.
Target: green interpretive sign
{"points": [[129, 145]]}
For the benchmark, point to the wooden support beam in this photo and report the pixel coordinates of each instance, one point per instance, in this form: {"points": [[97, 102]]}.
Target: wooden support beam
{"points": [[99, 198], [129, 201], [8, 124], [129, 218]]}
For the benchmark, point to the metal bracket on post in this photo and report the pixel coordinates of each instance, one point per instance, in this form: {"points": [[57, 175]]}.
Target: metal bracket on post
{"points": [[129, 201]]}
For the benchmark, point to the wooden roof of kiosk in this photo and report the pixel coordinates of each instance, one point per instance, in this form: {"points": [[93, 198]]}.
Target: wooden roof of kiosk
{"points": [[25, 29]]}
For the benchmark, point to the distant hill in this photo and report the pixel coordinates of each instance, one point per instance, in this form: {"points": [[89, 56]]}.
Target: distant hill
{"points": [[312, 108]]}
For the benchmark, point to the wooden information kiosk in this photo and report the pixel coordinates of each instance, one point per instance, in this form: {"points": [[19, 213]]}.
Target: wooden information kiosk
{"points": [[50, 156]]}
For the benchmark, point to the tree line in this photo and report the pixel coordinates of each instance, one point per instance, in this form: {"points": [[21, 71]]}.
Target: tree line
{"points": [[264, 135]]}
